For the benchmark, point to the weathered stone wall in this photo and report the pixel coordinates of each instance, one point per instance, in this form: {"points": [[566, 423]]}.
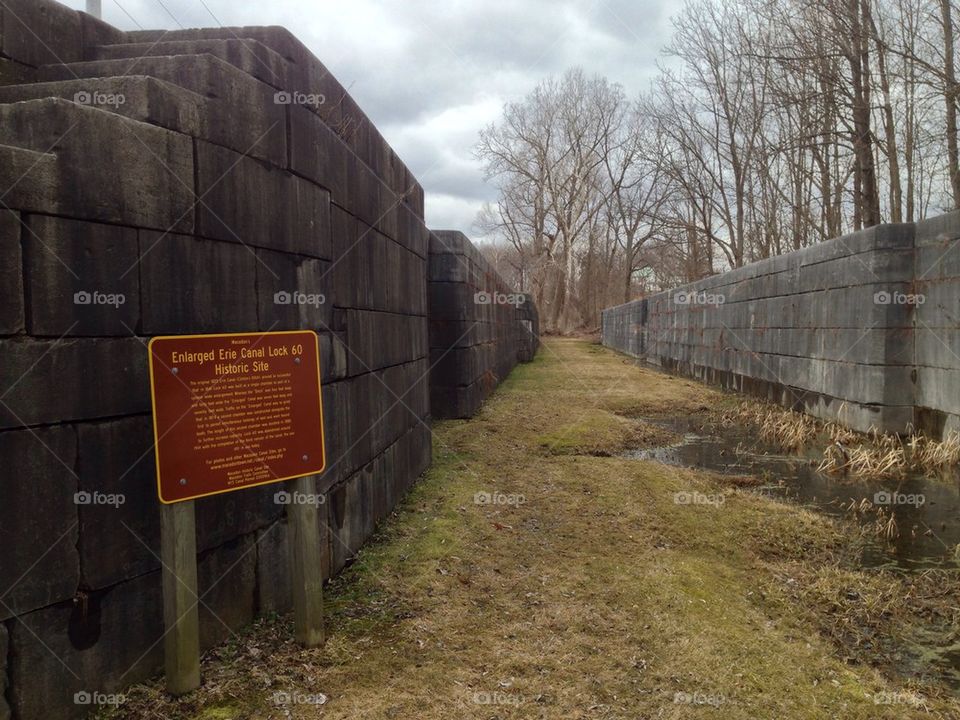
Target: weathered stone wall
{"points": [[862, 329], [216, 191], [479, 327], [936, 273]]}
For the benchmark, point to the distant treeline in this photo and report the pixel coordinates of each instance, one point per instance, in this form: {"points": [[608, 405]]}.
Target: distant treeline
{"points": [[773, 124]]}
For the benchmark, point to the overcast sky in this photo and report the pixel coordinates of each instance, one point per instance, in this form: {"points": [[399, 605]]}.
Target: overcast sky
{"points": [[431, 74]]}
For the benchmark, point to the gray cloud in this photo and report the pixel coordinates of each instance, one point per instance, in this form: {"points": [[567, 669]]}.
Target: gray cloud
{"points": [[431, 75]]}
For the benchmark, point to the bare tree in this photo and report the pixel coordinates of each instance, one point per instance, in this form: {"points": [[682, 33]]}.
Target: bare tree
{"points": [[777, 124]]}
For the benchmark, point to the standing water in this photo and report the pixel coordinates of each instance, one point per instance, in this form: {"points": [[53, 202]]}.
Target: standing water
{"points": [[929, 531], [926, 510]]}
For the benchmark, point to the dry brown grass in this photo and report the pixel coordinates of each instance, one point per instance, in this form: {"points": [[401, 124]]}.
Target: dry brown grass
{"points": [[876, 456], [877, 618], [845, 451], [932, 455], [786, 429]]}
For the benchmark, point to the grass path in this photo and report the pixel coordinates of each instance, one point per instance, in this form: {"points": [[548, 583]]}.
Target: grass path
{"points": [[587, 592]]}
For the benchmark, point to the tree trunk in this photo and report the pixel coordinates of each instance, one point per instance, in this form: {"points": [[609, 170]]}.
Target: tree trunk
{"points": [[890, 130], [867, 197], [950, 98]]}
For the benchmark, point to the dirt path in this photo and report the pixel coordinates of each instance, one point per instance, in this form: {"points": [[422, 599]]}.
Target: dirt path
{"points": [[529, 576]]}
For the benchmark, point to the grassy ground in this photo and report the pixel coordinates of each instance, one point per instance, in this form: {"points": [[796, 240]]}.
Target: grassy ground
{"points": [[586, 592]]}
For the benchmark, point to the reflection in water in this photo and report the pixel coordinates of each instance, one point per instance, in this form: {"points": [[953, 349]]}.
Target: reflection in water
{"points": [[928, 535], [929, 532]]}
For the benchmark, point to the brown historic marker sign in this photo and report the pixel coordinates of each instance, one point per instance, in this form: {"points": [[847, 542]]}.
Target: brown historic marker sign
{"points": [[235, 411]]}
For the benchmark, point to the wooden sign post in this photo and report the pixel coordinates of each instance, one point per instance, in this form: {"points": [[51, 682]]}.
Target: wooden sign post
{"points": [[231, 412], [181, 615], [306, 570]]}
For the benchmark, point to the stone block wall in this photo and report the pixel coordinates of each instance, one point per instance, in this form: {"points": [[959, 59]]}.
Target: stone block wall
{"points": [[479, 327], [936, 271], [862, 329], [187, 182], [530, 335]]}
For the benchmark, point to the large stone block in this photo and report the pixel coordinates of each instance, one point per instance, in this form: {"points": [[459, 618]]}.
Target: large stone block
{"points": [[937, 346], [361, 397], [352, 516], [455, 402], [294, 292], [938, 230], [14, 73], [936, 261], [305, 73], [28, 180], [336, 434], [376, 340], [82, 278], [11, 274], [873, 268], [333, 356], [106, 378], [363, 191], [245, 54], [388, 213], [155, 188], [354, 127], [236, 190], [39, 564], [242, 113], [274, 590], [118, 540], [939, 387], [101, 642], [401, 402], [941, 303], [223, 518], [39, 32], [226, 581], [96, 33], [445, 335], [449, 267], [411, 232], [449, 241], [451, 301], [160, 102], [374, 272], [193, 285], [318, 153], [4, 648], [461, 366], [414, 197]]}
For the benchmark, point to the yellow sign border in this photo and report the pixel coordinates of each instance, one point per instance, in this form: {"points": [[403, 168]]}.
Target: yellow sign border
{"points": [[153, 410]]}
